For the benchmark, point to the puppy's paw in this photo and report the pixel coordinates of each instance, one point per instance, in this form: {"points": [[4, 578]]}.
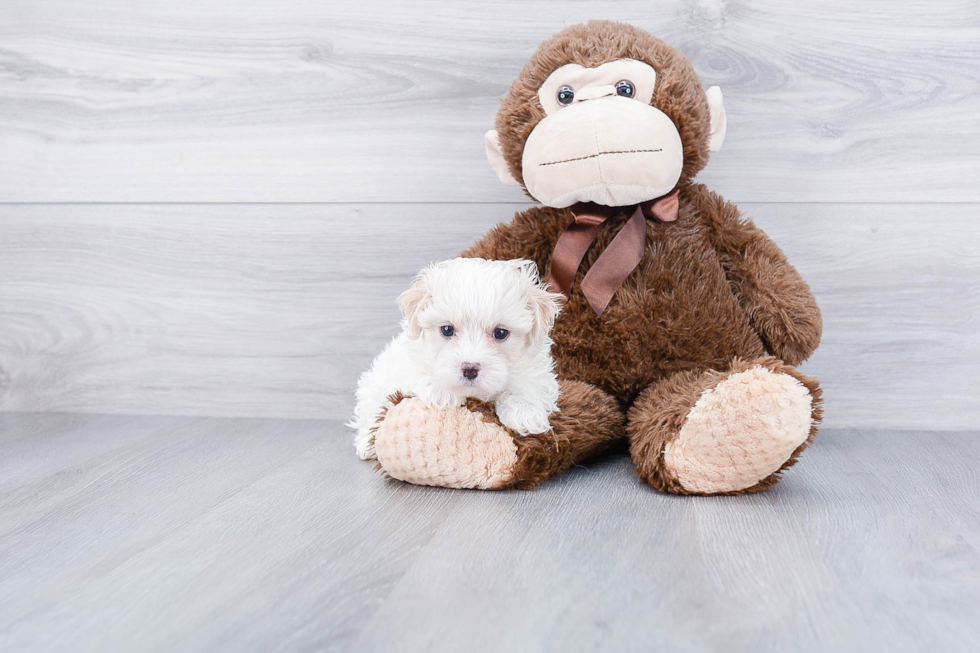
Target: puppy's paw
{"points": [[522, 416], [435, 397]]}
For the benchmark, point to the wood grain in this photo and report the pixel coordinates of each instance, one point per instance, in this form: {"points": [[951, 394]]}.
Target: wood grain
{"points": [[274, 310], [251, 535], [300, 101]]}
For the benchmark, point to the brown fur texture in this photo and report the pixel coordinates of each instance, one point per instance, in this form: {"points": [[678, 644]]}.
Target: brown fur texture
{"points": [[588, 421], [683, 308]]}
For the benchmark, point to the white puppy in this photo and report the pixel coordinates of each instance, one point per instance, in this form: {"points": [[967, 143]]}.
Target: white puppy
{"points": [[472, 328]]}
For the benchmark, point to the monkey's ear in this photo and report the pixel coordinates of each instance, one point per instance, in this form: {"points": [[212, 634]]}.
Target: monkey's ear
{"points": [[719, 121], [495, 155], [412, 301]]}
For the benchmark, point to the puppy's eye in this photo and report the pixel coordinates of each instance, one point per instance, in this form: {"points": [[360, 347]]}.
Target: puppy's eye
{"points": [[448, 330], [500, 334], [565, 95], [625, 88]]}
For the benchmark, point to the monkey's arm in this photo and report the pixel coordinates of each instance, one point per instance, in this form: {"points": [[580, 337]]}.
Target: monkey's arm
{"points": [[776, 298]]}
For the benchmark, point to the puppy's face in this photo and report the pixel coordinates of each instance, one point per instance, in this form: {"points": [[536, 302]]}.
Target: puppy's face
{"points": [[476, 320]]}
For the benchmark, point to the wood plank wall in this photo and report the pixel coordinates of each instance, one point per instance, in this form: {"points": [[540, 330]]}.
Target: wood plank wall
{"points": [[208, 207]]}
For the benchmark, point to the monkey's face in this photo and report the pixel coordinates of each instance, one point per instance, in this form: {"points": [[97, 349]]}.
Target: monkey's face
{"points": [[614, 130], [601, 140]]}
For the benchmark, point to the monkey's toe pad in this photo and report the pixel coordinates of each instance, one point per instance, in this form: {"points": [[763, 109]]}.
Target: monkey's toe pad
{"points": [[740, 431], [446, 447]]}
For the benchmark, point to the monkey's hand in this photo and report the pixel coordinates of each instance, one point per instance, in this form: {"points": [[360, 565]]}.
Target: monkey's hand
{"points": [[776, 299]]}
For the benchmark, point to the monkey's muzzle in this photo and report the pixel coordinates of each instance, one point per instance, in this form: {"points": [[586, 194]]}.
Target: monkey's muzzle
{"points": [[612, 151]]}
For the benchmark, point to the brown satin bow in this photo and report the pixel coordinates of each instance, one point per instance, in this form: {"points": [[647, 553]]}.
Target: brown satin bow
{"points": [[618, 260]]}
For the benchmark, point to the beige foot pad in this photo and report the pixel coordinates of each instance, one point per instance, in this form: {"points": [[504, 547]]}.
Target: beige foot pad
{"points": [[451, 447], [740, 431]]}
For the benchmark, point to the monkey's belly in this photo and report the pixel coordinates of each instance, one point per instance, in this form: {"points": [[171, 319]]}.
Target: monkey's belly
{"points": [[657, 324]]}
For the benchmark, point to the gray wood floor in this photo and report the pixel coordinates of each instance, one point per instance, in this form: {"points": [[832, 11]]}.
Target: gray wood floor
{"points": [[125, 533]]}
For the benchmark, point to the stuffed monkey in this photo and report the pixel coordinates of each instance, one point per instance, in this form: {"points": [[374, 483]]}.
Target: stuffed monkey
{"points": [[683, 322]]}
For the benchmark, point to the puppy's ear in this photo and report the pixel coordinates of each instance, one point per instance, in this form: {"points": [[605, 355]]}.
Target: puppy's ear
{"points": [[413, 301], [544, 304]]}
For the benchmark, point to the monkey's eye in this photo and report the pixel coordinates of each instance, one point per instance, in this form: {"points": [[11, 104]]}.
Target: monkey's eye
{"points": [[565, 95], [447, 330], [500, 334], [625, 88]]}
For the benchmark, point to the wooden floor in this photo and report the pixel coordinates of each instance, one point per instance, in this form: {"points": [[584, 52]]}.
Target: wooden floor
{"points": [[201, 534]]}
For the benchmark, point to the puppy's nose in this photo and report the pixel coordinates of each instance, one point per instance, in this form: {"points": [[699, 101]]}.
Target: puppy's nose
{"points": [[471, 370]]}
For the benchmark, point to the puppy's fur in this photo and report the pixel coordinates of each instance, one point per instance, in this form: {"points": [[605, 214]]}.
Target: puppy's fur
{"points": [[473, 299]]}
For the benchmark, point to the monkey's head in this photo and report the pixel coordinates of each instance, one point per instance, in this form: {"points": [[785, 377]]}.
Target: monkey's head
{"points": [[605, 113]]}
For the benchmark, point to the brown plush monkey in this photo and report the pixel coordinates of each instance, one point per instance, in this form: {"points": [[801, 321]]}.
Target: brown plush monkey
{"points": [[683, 319]]}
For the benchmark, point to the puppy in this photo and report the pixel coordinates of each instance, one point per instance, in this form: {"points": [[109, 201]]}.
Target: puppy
{"points": [[471, 328]]}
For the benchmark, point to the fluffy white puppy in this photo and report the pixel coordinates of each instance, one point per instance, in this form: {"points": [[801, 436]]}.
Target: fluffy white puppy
{"points": [[471, 328]]}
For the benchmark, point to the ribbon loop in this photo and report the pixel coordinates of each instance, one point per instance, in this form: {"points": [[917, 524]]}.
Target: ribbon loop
{"points": [[618, 260]]}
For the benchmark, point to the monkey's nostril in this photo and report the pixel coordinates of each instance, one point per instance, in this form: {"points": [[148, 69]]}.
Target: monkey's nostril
{"points": [[471, 370]]}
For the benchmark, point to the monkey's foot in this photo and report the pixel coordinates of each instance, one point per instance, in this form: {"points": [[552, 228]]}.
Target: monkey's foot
{"points": [[734, 431], [468, 447], [452, 447]]}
